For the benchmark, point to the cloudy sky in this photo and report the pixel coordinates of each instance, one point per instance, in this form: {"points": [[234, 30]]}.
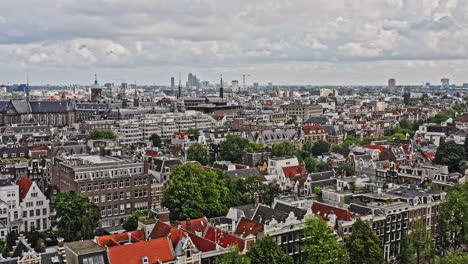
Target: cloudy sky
{"points": [[280, 41]]}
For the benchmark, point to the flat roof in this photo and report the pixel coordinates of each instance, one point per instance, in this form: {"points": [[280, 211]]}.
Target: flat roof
{"points": [[84, 247], [97, 159]]}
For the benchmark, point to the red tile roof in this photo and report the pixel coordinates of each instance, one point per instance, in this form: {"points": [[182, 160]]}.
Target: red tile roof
{"points": [[223, 239], [429, 155], [156, 250], [374, 147], [24, 184], [295, 172], [247, 227], [162, 229], [199, 224], [314, 129], [324, 210], [116, 239]]}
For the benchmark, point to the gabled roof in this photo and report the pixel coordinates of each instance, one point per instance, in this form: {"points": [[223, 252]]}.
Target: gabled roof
{"points": [[265, 214], [117, 239], [223, 239], [24, 184], [49, 107], [381, 148], [155, 250], [299, 213], [21, 106], [324, 210], [247, 227], [294, 172]]}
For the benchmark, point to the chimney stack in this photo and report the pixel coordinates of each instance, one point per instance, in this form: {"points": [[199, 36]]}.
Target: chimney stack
{"points": [[189, 225], [258, 199]]}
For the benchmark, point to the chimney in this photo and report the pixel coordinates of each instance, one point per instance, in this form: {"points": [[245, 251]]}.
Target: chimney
{"points": [[189, 225], [129, 237], [146, 167], [164, 215], [258, 199], [61, 242]]}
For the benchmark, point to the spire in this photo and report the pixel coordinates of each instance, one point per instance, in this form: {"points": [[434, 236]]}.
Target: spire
{"points": [[27, 87], [95, 78], [221, 89], [179, 95]]}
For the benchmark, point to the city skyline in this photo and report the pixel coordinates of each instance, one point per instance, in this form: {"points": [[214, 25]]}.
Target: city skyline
{"points": [[301, 42]]}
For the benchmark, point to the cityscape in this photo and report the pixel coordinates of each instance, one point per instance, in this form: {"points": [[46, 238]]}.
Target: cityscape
{"points": [[211, 132]]}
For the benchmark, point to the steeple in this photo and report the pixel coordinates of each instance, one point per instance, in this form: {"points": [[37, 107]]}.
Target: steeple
{"points": [[179, 95], [27, 88], [136, 101], [221, 89], [95, 78]]}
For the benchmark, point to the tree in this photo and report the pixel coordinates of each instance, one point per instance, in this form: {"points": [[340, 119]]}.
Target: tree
{"points": [[156, 140], [77, 216], [364, 245], [284, 149], [465, 147], [407, 251], [366, 140], [320, 243], [243, 191], [131, 222], [266, 250], [198, 152], [194, 192], [452, 257], [450, 154], [4, 250], [232, 257], [320, 147], [101, 134], [347, 168], [421, 238], [314, 165], [193, 131], [350, 140], [232, 148], [453, 219]]}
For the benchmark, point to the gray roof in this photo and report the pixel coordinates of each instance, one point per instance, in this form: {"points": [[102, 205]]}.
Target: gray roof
{"points": [[319, 176], [49, 107], [72, 149], [321, 120], [248, 210], [265, 214], [3, 105], [21, 106], [299, 213], [244, 173]]}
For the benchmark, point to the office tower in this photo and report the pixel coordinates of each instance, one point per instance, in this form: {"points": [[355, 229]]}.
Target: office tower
{"points": [[391, 84], [235, 85], [172, 83], [445, 82]]}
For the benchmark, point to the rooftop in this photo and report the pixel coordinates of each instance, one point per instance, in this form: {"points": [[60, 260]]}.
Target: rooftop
{"points": [[84, 247]]}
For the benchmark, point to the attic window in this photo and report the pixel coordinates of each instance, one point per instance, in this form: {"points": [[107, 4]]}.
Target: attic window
{"points": [[144, 260], [188, 253]]}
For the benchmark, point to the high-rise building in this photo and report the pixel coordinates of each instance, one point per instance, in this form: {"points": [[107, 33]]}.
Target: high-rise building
{"points": [[235, 85], [391, 84], [445, 82], [221, 89], [172, 83]]}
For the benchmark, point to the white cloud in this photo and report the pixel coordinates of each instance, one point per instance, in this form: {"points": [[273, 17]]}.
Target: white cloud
{"points": [[106, 35]]}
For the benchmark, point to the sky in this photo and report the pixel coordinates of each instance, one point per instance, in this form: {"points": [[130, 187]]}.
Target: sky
{"points": [[317, 42]]}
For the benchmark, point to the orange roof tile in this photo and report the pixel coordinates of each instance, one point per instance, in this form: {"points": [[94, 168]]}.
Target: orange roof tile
{"points": [[156, 250], [24, 184]]}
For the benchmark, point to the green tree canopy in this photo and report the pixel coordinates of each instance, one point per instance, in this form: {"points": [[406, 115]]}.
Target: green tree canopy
{"points": [[350, 140], [284, 149], [407, 251], [232, 257], [314, 165], [421, 238], [198, 152], [77, 216], [366, 140], [453, 217], [131, 222], [321, 245], [320, 147], [347, 168], [364, 245], [156, 140], [101, 134], [243, 191], [194, 192], [232, 148], [452, 257], [193, 131], [450, 154], [266, 250]]}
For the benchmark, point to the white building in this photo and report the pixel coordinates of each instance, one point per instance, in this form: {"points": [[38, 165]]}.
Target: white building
{"points": [[34, 206]]}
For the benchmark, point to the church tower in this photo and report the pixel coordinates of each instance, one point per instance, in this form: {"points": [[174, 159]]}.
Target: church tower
{"points": [[96, 90]]}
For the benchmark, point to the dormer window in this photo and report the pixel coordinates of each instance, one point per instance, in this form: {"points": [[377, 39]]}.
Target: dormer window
{"points": [[188, 253], [144, 260]]}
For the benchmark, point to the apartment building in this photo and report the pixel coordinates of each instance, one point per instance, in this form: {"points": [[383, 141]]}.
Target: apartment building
{"points": [[118, 186]]}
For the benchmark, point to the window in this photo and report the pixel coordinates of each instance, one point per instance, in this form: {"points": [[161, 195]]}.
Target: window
{"points": [[94, 260], [116, 184], [109, 210], [109, 185], [127, 183], [44, 211], [121, 184], [33, 194], [83, 188], [39, 203], [109, 197], [103, 186], [122, 195], [96, 199], [96, 187], [89, 187], [38, 213], [188, 253], [103, 211], [116, 196], [25, 213], [127, 195], [31, 213]]}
